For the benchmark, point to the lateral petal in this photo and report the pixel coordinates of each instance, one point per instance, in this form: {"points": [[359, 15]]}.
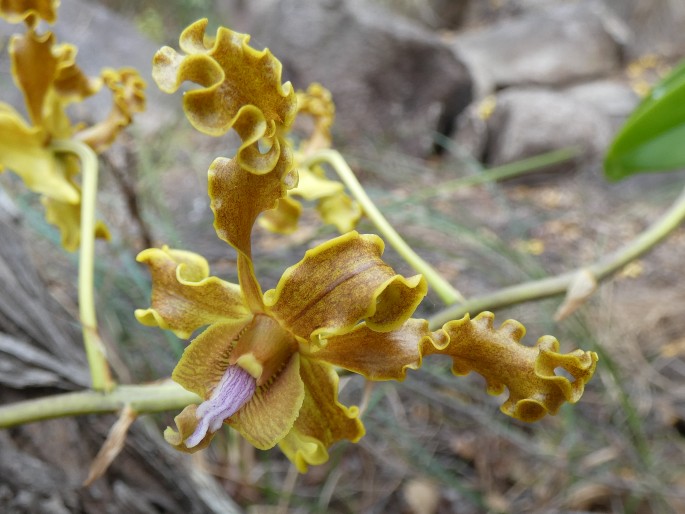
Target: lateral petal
{"points": [[184, 296], [528, 373], [340, 283], [378, 355]]}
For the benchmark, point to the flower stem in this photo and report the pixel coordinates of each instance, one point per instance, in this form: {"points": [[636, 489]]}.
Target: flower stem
{"points": [[99, 368], [552, 286], [444, 289], [147, 398]]}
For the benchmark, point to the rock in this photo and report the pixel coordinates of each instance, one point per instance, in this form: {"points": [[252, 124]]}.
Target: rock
{"points": [[392, 81], [655, 27], [614, 98], [434, 14], [531, 121], [557, 45]]}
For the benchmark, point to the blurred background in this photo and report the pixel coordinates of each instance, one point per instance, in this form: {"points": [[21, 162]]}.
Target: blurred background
{"points": [[426, 91]]}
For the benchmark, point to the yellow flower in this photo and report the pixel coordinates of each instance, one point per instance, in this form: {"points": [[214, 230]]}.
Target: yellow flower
{"points": [[264, 363], [50, 80]]}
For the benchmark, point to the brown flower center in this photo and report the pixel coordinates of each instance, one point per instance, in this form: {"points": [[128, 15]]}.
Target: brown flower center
{"points": [[263, 348]]}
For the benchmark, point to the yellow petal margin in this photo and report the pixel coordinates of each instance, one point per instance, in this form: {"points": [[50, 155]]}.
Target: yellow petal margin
{"points": [[528, 373], [241, 89], [323, 420], [184, 296], [16, 11], [339, 283]]}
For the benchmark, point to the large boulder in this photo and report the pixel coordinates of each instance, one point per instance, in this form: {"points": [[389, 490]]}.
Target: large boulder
{"points": [[526, 122], [555, 45], [393, 82]]}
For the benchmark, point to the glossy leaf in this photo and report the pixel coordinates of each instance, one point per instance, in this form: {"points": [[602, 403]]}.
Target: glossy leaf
{"points": [[653, 138]]}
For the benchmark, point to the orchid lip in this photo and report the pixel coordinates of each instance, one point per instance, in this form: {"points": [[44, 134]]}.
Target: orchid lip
{"points": [[235, 388]]}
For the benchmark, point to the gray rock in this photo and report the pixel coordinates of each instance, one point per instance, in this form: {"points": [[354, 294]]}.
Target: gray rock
{"points": [[557, 45], [528, 122], [612, 97], [655, 26], [435, 14], [392, 81]]}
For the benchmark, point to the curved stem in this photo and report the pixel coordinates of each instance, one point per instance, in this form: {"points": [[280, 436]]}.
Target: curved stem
{"points": [[95, 352], [147, 398], [552, 286], [444, 289]]}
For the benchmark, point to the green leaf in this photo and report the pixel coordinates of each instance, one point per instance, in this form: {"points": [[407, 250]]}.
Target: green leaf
{"points": [[653, 137]]}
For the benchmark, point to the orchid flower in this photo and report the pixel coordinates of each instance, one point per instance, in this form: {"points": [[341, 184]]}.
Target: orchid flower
{"points": [[265, 363], [50, 80]]}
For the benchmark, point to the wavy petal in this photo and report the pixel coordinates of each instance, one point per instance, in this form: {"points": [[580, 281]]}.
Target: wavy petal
{"points": [[71, 84], [22, 150], [378, 355], [241, 89], [527, 372], [339, 283], [128, 98], [184, 296], [323, 420], [16, 11], [239, 196], [34, 81], [273, 409], [317, 102]]}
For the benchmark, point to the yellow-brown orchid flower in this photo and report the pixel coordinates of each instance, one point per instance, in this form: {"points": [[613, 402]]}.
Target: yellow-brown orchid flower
{"points": [[264, 362], [50, 80]]}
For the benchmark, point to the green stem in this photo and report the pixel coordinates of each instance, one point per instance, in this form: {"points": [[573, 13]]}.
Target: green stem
{"points": [[447, 293], [99, 368], [148, 398], [509, 170], [601, 269]]}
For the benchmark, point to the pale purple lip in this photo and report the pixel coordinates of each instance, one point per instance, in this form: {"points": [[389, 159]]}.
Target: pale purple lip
{"points": [[235, 388]]}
